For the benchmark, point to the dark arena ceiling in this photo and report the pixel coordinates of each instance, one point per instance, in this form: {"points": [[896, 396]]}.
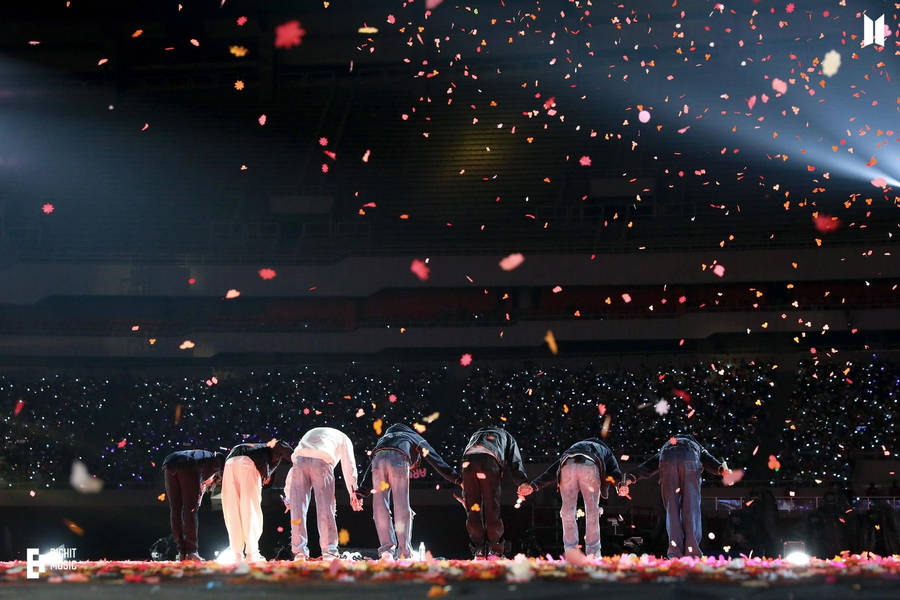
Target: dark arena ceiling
{"points": [[683, 143]]}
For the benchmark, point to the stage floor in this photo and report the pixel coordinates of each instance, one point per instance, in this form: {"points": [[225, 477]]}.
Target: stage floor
{"points": [[636, 577]]}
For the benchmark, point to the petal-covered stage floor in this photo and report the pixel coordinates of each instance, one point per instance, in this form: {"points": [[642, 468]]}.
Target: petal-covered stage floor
{"points": [[443, 573]]}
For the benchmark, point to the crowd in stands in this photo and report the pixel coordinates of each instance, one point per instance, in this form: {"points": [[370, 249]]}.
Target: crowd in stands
{"points": [[123, 427], [837, 414]]}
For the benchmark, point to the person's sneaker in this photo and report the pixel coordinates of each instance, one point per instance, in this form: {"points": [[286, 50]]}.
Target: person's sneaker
{"points": [[387, 556], [178, 557], [192, 556], [329, 556], [300, 557], [256, 558]]}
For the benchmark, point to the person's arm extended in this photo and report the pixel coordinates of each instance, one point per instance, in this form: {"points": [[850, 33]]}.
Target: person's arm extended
{"points": [[434, 459], [611, 466], [348, 466], [514, 460], [646, 469], [551, 475], [710, 463]]}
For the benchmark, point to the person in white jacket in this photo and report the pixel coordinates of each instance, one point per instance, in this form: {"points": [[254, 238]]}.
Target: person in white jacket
{"points": [[315, 459]]}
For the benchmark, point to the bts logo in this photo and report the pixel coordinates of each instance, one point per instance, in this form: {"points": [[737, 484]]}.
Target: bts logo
{"points": [[873, 31]]}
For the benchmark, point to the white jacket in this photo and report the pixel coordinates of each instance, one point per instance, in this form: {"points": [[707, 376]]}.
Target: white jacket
{"points": [[333, 447]]}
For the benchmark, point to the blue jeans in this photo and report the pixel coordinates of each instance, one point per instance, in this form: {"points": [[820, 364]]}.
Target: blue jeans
{"points": [[313, 475], [584, 478], [395, 536], [679, 482]]}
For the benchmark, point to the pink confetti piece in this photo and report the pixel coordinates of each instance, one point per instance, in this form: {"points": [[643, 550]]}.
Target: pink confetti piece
{"points": [[20, 404], [267, 273], [584, 161], [751, 102], [879, 182], [626, 298], [365, 157], [47, 208], [420, 269], [262, 119], [826, 223], [719, 270], [732, 477], [465, 360], [289, 34], [779, 86], [241, 21], [194, 42], [186, 345], [644, 116], [512, 261], [102, 61], [557, 289], [231, 294]]}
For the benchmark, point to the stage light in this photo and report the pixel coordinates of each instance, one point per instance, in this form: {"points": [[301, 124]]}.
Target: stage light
{"points": [[225, 557], [794, 552], [797, 558]]}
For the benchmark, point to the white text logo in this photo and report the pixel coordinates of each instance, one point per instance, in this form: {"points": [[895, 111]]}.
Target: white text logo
{"points": [[57, 559]]}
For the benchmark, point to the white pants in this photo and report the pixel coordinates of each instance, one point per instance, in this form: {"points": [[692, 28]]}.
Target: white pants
{"points": [[242, 506]]}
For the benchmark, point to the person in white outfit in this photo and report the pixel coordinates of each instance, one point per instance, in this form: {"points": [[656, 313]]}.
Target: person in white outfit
{"points": [[248, 467], [314, 460]]}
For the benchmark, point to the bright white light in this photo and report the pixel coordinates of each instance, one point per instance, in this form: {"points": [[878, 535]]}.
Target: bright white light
{"points": [[50, 558], [797, 558], [225, 557]]}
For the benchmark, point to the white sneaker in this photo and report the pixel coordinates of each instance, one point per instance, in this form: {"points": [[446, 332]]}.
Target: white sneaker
{"points": [[387, 556], [256, 558], [301, 557]]}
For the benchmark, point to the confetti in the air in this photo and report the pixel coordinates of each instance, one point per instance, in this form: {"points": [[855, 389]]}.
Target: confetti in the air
{"points": [[512, 261], [289, 34], [831, 63], [420, 269]]}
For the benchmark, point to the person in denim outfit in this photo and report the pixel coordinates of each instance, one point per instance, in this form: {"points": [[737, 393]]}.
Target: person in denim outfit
{"points": [[587, 467], [680, 462], [314, 460], [397, 451]]}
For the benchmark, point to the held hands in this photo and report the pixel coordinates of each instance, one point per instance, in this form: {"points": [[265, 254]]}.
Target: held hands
{"points": [[287, 503], [458, 494], [206, 484], [729, 476], [356, 502], [623, 489], [525, 489]]}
